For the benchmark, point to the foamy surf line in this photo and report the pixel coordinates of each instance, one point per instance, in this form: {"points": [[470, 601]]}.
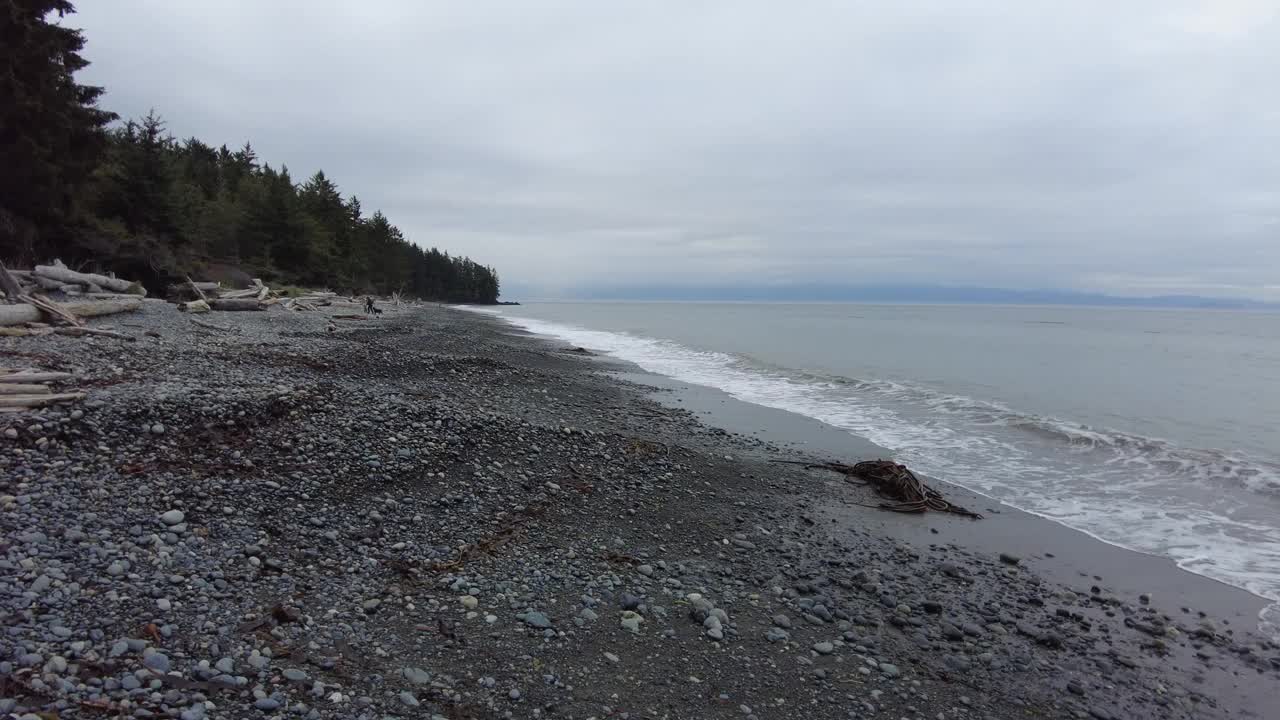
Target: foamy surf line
{"points": [[1107, 503]]}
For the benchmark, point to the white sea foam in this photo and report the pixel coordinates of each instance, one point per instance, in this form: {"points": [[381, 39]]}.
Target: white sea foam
{"points": [[1092, 479]]}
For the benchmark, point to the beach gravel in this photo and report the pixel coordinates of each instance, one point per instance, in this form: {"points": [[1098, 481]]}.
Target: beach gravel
{"points": [[431, 515]]}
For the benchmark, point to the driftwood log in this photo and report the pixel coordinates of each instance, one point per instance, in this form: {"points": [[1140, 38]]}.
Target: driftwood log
{"points": [[236, 305], [51, 308], [30, 401], [194, 306], [238, 294], [20, 314], [45, 283], [22, 389], [24, 331], [895, 482], [34, 376], [67, 275]]}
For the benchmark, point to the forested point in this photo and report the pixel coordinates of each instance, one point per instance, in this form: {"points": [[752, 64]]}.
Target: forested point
{"points": [[128, 197]]}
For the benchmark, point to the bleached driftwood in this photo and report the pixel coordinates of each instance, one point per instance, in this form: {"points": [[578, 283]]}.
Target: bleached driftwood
{"points": [[45, 283], [238, 294], [195, 306], [300, 304], [52, 309], [34, 376], [19, 314], [67, 275], [32, 401], [75, 291], [24, 331], [22, 389]]}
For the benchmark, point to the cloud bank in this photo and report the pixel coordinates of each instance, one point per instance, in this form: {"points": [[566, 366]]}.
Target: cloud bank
{"points": [[1128, 148]]}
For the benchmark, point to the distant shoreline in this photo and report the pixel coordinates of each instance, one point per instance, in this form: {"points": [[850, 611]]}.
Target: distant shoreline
{"points": [[1261, 308]]}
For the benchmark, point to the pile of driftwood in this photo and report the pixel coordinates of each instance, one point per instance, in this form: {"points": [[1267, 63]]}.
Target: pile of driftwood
{"points": [[57, 277], [28, 311], [24, 388], [201, 297], [895, 482], [316, 299]]}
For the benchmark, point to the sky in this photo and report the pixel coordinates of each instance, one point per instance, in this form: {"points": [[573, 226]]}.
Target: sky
{"points": [[1130, 147]]}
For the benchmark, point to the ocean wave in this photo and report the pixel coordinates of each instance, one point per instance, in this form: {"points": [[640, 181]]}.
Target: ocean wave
{"points": [[1096, 480], [1197, 464]]}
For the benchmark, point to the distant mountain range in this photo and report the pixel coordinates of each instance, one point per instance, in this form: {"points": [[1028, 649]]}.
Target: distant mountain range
{"points": [[925, 294]]}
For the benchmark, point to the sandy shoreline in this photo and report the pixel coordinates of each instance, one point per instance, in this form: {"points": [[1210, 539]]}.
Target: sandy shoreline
{"points": [[434, 516]]}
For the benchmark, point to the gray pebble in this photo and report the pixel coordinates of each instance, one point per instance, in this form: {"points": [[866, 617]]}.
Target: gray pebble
{"points": [[157, 661], [536, 619]]}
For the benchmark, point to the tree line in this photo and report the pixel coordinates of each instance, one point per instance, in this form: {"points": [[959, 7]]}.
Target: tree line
{"points": [[129, 197]]}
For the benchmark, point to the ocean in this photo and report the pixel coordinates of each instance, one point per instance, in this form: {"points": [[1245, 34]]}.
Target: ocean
{"points": [[1155, 430]]}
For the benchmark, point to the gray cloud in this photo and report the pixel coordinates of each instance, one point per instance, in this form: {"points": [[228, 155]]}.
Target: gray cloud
{"points": [[1121, 147]]}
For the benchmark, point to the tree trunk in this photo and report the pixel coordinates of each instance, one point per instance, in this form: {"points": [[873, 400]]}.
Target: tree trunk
{"points": [[19, 314], [35, 376], [245, 304], [22, 389], [29, 401], [68, 275]]}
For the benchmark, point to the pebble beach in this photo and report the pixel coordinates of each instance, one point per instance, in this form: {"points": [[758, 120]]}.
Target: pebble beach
{"points": [[431, 515]]}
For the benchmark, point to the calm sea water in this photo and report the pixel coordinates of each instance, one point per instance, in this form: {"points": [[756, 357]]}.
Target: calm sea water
{"points": [[1156, 430]]}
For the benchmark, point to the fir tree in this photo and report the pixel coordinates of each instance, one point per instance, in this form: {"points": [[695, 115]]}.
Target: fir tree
{"points": [[51, 130]]}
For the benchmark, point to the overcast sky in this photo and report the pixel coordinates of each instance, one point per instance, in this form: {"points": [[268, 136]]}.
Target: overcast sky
{"points": [[1125, 146]]}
